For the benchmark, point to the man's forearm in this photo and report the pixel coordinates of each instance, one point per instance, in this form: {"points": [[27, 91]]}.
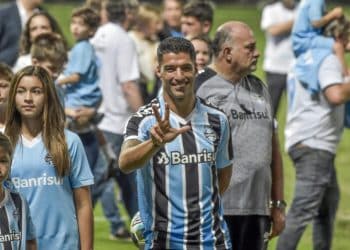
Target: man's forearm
{"points": [[281, 28], [277, 192], [330, 16], [71, 79], [224, 178], [83, 204], [135, 155], [338, 94], [133, 95]]}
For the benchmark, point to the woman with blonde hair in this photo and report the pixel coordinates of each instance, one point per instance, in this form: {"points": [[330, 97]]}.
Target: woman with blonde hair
{"points": [[144, 33]]}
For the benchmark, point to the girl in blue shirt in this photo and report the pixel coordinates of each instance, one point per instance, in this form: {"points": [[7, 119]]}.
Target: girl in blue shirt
{"points": [[50, 168]]}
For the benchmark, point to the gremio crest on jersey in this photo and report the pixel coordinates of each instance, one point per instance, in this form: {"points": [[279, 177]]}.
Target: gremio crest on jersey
{"points": [[210, 134], [48, 159]]}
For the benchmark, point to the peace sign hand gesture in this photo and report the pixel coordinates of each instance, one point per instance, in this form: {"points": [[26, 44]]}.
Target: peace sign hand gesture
{"points": [[162, 132]]}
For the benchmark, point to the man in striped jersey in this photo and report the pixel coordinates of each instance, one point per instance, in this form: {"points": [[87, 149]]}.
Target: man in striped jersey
{"points": [[181, 148], [16, 227]]}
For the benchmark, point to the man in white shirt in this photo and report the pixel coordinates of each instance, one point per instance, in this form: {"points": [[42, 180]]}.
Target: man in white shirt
{"points": [[277, 21], [313, 130], [119, 73]]}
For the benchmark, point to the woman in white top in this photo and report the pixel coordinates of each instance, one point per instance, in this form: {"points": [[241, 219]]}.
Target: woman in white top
{"points": [[40, 22]]}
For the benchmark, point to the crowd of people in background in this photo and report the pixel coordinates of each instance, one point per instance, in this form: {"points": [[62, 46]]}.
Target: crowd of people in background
{"points": [[145, 99]]}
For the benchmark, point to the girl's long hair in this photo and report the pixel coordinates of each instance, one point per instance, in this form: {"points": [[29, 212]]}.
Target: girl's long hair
{"points": [[52, 118]]}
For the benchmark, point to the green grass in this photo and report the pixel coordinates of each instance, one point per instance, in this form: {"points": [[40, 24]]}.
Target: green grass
{"points": [[250, 15]]}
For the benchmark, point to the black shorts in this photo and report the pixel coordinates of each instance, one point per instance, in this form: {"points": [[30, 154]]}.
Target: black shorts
{"points": [[248, 232]]}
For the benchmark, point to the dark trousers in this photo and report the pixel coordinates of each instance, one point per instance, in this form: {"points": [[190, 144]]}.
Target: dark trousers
{"points": [[91, 146], [103, 189], [126, 182], [316, 198], [248, 232], [276, 85]]}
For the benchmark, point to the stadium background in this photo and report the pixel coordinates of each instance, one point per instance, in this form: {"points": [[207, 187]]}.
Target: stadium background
{"points": [[248, 11]]}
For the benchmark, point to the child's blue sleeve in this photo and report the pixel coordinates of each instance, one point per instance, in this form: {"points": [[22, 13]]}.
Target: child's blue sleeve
{"points": [[81, 57], [138, 127], [316, 10]]}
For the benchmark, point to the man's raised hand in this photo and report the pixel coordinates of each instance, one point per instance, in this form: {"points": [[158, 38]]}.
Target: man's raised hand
{"points": [[162, 132]]}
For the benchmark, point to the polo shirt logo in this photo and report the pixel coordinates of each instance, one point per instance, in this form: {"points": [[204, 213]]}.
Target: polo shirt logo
{"points": [[253, 115]]}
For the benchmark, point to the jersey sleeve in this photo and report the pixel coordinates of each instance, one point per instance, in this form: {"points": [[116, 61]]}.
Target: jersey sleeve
{"points": [[330, 72], [138, 127], [224, 155], [80, 59], [99, 41], [80, 173]]}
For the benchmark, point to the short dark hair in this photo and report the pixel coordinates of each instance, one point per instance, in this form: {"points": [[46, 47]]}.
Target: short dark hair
{"points": [[49, 47], [201, 10], [175, 45], [115, 11], [89, 16], [6, 72], [6, 144], [94, 4], [221, 37]]}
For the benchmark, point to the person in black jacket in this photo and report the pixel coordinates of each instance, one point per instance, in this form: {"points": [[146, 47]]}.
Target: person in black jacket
{"points": [[13, 17]]}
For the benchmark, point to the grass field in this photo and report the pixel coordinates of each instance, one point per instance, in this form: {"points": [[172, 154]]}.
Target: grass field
{"points": [[250, 15]]}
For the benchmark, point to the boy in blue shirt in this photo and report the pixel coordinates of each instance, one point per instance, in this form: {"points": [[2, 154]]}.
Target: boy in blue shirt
{"points": [[307, 32], [81, 73], [16, 227]]}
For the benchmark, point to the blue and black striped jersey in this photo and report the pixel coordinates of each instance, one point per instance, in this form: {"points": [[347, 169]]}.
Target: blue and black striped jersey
{"points": [[178, 191], [16, 226]]}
